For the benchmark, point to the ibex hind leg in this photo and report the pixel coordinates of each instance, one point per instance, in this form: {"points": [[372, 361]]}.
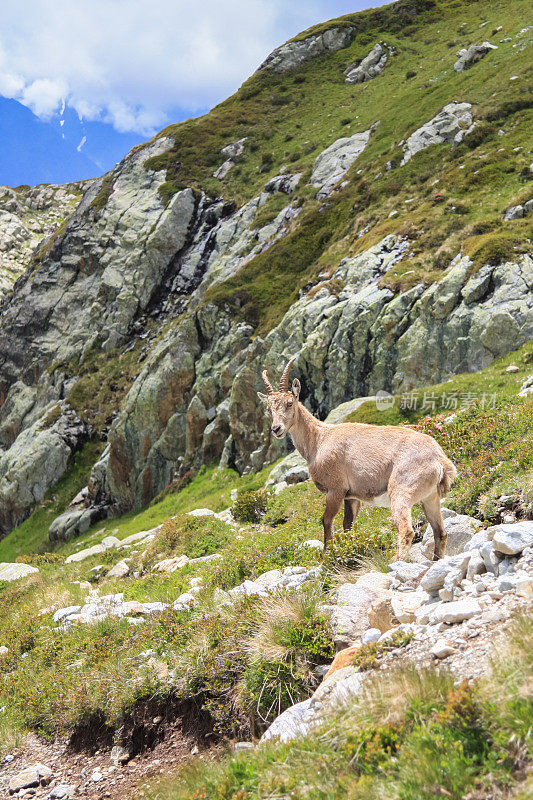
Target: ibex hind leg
{"points": [[401, 516], [432, 510], [351, 510]]}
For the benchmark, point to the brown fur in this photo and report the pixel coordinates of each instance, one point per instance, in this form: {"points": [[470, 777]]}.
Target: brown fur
{"points": [[357, 464]]}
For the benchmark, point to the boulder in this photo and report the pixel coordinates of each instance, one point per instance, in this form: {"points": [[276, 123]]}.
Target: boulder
{"points": [[15, 571], [343, 659], [73, 523], [460, 530], [86, 553], [333, 162], [381, 615], [290, 724], [120, 570], [512, 538], [471, 55], [406, 604], [449, 125], [436, 575], [350, 616], [36, 775], [294, 53], [456, 611], [514, 212], [442, 649], [371, 66], [371, 635]]}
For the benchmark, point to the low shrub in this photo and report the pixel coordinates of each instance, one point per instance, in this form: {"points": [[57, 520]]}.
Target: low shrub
{"points": [[250, 506]]}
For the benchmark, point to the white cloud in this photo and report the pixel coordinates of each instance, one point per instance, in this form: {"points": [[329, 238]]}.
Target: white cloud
{"points": [[131, 62]]}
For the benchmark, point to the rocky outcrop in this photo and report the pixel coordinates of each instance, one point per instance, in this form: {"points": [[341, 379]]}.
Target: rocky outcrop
{"points": [[450, 125], [333, 162], [27, 217], [294, 53], [372, 65], [441, 607], [471, 55], [35, 462], [350, 344], [233, 153]]}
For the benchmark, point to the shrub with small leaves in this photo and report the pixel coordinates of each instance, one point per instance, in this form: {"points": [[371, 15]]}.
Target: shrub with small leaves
{"points": [[250, 506]]}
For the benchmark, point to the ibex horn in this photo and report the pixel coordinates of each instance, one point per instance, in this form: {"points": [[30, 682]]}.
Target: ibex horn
{"points": [[284, 380], [270, 390]]}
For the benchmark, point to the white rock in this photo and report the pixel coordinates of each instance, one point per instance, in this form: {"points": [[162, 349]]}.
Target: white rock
{"points": [[63, 790], [513, 538], [61, 613], [171, 564], [333, 162], [442, 649], [14, 571], [313, 544], [120, 570], [476, 565], [406, 604], [290, 724], [434, 578], [405, 571], [201, 512], [524, 585], [371, 635], [87, 553], [456, 611], [490, 557], [3, 652], [111, 541]]}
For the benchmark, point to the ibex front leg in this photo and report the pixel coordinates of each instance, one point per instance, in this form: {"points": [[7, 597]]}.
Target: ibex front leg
{"points": [[333, 503]]}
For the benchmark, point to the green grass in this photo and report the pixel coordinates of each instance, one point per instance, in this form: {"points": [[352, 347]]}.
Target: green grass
{"points": [[243, 664], [411, 735]]}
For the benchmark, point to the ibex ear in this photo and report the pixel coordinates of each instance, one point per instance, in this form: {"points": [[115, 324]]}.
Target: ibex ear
{"points": [[296, 388], [262, 397]]}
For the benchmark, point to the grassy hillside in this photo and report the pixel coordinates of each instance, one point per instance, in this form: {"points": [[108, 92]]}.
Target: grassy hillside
{"points": [[443, 199], [54, 682]]}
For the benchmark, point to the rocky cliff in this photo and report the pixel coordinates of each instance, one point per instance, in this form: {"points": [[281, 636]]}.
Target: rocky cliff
{"points": [[361, 224]]}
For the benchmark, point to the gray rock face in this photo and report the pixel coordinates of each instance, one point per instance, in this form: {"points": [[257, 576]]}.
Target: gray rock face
{"points": [[371, 66], [449, 125], [335, 161], [397, 338], [471, 55], [73, 523], [35, 461], [292, 54], [28, 216]]}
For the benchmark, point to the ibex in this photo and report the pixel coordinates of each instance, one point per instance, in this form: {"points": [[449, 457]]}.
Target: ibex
{"points": [[374, 465]]}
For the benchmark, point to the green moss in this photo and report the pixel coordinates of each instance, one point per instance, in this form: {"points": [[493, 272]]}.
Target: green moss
{"points": [[104, 193]]}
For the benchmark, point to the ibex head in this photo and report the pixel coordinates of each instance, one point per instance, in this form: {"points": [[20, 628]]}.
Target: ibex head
{"points": [[283, 404]]}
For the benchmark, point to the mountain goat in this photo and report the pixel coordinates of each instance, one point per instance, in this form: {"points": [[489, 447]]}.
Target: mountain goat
{"points": [[374, 465]]}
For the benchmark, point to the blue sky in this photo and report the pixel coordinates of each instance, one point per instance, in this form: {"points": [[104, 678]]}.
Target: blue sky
{"points": [[82, 82]]}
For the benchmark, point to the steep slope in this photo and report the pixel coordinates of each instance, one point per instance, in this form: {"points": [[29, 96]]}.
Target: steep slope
{"points": [[350, 203]]}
